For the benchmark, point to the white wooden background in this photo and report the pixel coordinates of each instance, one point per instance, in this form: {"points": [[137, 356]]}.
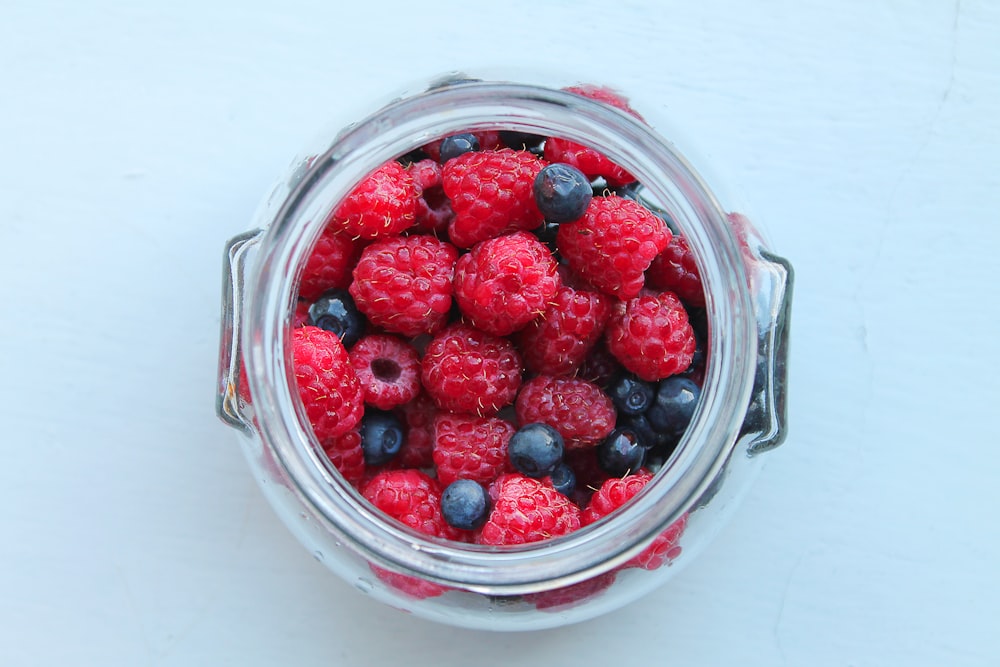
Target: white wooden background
{"points": [[135, 137]]}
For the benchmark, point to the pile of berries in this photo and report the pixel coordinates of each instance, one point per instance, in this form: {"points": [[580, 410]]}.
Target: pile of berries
{"points": [[497, 341]]}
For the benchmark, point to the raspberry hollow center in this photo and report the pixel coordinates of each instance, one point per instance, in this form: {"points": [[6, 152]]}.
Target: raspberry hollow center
{"points": [[386, 370]]}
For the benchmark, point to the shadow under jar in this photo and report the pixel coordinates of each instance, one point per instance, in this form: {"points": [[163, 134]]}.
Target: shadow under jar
{"points": [[552, 582]]}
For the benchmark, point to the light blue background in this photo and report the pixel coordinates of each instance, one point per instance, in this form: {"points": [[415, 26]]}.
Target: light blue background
{"points": [[136, 137]]}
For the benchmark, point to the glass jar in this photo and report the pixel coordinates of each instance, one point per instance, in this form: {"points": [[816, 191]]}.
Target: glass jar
{"points": [[741, 413]]}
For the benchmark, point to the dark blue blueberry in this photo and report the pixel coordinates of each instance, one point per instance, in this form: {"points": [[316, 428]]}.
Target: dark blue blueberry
{"points": [[535, 449], [464, 504], [673, 407], [546, 233], [562, 192], [640, 425], [563, 479], [631, 395], [335, 311], [621, 453], [658, 456], [521, 141], [382, 436], [699, 322], [457, 144], [416, 155]]}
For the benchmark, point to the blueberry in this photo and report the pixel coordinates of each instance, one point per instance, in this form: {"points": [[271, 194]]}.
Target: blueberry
{"points": [[673, 407], [631, 395], [621, 453], [699, 323], [562, 192], [658, 456], [382, 436], [563, 479], [457, 144], [335, 311], [648, 436], [535, 449], [464, 504], [546, 233]]}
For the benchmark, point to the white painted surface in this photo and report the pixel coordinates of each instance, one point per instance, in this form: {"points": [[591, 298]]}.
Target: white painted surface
{"points": [[136, 137]]}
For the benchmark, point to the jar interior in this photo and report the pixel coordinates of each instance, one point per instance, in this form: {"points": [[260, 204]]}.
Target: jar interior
{"points": [[669, 183]]}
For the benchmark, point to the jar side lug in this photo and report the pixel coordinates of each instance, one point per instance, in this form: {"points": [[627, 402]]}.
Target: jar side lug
{"points": [[230, 402], [767, 415]]}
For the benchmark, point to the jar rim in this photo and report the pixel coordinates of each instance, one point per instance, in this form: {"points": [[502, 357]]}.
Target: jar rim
{"points": [[395, 129]]}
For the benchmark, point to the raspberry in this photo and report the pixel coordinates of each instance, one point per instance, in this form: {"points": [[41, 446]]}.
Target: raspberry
{"points": [[411, 497], [599, 366], [469, 371], [418, 415], [300, 317], [651, 336], [527, 510], [421, 589], [589, 474], [345, 454], [558, 342], [505, 282], [383, 204], [616, 492], [328, 386], [566, 597], [613, 244], [491, 193], [588, 160], [388, 369], [433, 208], [468, 447], [675, 270], [404, 284], [579, 410], [328, 265]]}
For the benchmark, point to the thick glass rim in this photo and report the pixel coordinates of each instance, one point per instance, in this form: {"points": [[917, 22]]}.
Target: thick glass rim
{"points": [[397, 128]]}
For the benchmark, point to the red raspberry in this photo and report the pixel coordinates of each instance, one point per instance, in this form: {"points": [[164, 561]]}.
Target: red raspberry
{"points": [[434, 211], [328, 386], [468, 447], [675, 270], [488, 140], [588, 160], [329, 264], [491, 193], [300, 317], [527, 510], [388, 369], [588, 471], [600, 366], [559, 341], [651, 336], [613, 244], [616, 492], [346, 455], [421, 589], [566, 597], [418, 417], [411, 497], [579, 410], [383, 204], [469, 371], [404, 284], [426, 174], [505, 282]]}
